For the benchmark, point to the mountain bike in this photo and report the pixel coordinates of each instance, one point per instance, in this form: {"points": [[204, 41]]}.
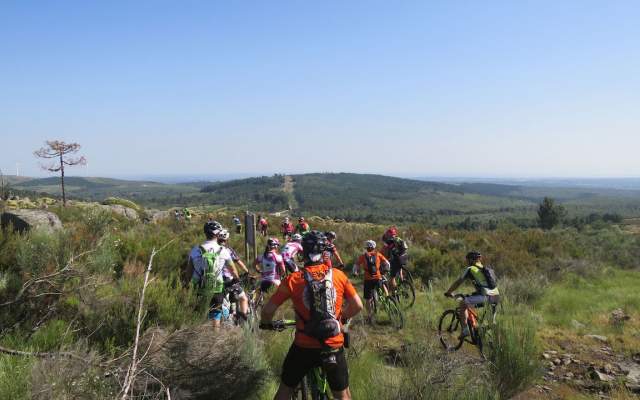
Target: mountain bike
{"points": [[250, 285], [388, 303], [314, 385], [480, 328], [405, 291]]}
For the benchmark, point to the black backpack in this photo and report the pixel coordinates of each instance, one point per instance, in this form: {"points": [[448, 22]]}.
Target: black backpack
{"points": [[490, 277], [321, 297], [371, 263]]}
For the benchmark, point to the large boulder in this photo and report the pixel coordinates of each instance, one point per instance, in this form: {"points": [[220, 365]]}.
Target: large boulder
{"points": [[24, 220], [156, 216], [126, 212]]}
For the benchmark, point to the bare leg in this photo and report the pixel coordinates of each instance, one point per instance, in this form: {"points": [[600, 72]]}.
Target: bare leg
{"points": [[342, 395], [284, 392]]}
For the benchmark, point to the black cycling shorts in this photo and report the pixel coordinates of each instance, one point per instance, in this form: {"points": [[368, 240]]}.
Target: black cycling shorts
{"points": [[267, 286], [299, 361], [370, 286], [395, 270]]}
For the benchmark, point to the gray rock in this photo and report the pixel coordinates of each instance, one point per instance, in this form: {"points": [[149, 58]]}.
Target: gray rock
{"points": [[126, 212], [601, 377], [599, 338], [156, 216], [618, 316], [24, 220], [577, 324]]}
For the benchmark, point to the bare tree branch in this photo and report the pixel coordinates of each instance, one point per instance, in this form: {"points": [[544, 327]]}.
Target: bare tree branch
{"points": [[60, 150]]}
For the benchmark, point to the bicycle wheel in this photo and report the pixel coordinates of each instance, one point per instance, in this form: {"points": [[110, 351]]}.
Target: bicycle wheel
{"points": [[395, 313], [318, 386], [407, 275], [405, 293], [302, 391], [449, 330]]}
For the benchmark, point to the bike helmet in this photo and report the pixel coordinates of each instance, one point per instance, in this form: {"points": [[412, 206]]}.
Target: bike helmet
{"points": [[473, 255], [301, 219], [223, 234], [331, 235], [370, 244], [314, 242], [211, 228], [273, 243], [296, 237]]}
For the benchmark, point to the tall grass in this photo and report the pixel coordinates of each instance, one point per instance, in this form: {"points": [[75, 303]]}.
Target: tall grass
{"points": [[513, 354]]}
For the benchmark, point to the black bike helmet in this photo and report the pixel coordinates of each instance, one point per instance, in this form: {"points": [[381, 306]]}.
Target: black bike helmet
{"points": [[331, 235], [211, 228], [473, 255], [314, 242]]}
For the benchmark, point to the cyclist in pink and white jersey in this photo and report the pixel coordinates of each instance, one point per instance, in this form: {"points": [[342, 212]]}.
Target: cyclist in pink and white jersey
{"points": [[271, 266], [290, 250]]}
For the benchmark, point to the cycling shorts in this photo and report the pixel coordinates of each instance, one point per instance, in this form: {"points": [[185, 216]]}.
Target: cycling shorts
{"points": [[290, 265], [479, 300], [215, 307], [370, 286], [299, 361], [395, 270], [267, 286]]}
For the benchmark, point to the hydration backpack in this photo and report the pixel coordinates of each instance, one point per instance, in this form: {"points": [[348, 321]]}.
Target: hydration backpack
{"points": [[212, 278], [321, 297], [371, 260], [490, 277]]}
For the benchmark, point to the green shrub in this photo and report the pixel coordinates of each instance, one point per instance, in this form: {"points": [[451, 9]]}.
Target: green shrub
{"points": [[14, 377], [513, 354]]}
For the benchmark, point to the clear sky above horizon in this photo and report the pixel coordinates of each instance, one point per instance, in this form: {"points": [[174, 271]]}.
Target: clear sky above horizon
{"points": [[419, 88]]}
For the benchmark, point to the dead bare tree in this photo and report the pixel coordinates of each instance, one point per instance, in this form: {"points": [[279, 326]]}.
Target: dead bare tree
{"points": [[60, 151]]}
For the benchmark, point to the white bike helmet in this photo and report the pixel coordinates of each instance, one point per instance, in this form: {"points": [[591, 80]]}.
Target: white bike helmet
{"points": [[370, 244], [223, 234], [296, 237]]}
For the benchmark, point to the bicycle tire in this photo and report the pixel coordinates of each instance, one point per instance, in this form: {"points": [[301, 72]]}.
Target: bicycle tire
{"points": [[449, 330], [301, 392], [406, 293], [394, 312], [407, 274]]}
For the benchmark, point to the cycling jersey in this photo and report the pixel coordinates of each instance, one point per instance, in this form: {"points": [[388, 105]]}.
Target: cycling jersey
{"points": [[199, 265], [287, 227], [476, 275], [269, 266], [396, 252], [294, 287], [291, 250], [302, 228], [234, 257], [364, 264]]}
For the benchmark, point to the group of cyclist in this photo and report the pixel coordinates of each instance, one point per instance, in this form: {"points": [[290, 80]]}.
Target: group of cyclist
{"points": [[308, 270]]}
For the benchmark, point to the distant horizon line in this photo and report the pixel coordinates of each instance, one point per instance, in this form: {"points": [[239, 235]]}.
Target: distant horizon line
{"points": [[240, 175]]}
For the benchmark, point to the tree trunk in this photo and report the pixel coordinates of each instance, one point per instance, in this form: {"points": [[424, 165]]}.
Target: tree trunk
{"points": [[64, 197]]}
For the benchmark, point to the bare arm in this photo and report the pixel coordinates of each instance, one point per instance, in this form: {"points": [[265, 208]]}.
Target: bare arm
{"points": [[243, 267], [352, 307], [455, 285], [268, 311]]}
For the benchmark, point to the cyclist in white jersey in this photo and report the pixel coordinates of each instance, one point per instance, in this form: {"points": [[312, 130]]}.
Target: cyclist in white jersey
{"points": [[290, 251], [271, 266]]}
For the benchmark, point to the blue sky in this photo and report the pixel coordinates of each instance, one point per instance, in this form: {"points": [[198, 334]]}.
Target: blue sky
{"points": [[503, 89]]}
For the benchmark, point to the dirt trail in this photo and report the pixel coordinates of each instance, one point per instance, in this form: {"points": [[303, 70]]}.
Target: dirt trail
{"points": [[288, 187]]}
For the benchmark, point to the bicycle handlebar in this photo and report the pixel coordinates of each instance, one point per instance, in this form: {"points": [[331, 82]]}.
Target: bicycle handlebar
{"points": [[277, 325]]}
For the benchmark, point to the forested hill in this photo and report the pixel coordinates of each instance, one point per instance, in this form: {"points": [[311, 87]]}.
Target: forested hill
{"points": [[354, 197], [361, 197]]}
